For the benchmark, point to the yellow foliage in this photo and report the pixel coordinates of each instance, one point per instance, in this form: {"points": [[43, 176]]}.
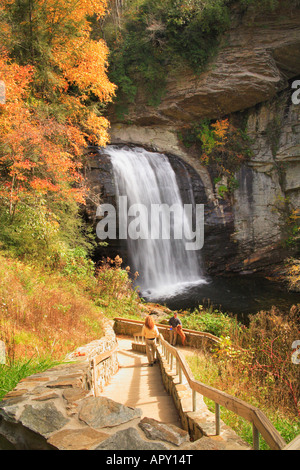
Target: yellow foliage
{"points": [[221, 129], [47, 119]]}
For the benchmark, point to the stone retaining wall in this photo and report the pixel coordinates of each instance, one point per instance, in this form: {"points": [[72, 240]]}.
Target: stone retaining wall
{"points": [[194, 339], [201, 423], [43, 410], [62, 409]]}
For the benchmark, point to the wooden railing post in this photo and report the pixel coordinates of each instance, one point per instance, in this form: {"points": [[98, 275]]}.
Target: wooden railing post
{"points": [[194, 400], [180, 374], [255, 434], [217, 418]]}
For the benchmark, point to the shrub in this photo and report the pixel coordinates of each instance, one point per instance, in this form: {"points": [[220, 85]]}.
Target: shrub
{"points": [[221, 144], [260, 357], [215, 322], [254, 364], [114, 291], [49, 234]]}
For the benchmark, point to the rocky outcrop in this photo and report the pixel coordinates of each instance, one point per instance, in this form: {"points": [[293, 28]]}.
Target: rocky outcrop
{"points": [[257, 57]]}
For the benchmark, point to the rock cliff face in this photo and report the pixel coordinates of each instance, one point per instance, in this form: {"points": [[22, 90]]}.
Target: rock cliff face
{"points": [[252, 75], [269, 181], [257, 58]]}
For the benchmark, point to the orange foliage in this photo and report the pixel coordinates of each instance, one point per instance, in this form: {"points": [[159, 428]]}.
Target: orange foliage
{"points": [[39, 152], [35, 153], [74, 58], [221, 130]]}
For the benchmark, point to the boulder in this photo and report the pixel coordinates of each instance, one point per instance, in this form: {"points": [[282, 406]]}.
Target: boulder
{"points": [[100, 412], [156, 430], [129, 439], [43, 418]]}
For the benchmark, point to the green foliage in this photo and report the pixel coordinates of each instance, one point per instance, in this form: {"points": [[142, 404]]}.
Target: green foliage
{"points": [[214, 322], [48, 233], [260, 4], [76, 263], [10, 375], [194, 29], [136, 61], [155, 35], [29, 233], [223, 145]]}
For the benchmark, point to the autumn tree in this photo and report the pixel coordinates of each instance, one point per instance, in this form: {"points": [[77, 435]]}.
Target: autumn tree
{"points": [[56, 87]]}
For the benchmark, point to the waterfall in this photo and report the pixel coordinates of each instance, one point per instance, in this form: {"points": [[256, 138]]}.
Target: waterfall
{"points": [[164, 264]]}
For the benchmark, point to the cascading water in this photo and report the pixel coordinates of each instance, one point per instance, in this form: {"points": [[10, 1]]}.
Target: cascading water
{"points": [[164, 264]]}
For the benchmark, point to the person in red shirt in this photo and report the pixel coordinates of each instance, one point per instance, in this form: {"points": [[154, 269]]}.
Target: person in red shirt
{"points": [[174, 322]]}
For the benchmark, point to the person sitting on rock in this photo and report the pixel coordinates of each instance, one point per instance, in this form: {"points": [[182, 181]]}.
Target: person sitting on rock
{"points": [[174, 322]]}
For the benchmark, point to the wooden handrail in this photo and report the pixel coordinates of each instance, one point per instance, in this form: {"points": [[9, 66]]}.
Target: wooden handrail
{"points": [[103, 356], [294, 445], [252, 414]]}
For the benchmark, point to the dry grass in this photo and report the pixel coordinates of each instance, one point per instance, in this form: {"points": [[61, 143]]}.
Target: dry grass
{"points": [[43, 314]]}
